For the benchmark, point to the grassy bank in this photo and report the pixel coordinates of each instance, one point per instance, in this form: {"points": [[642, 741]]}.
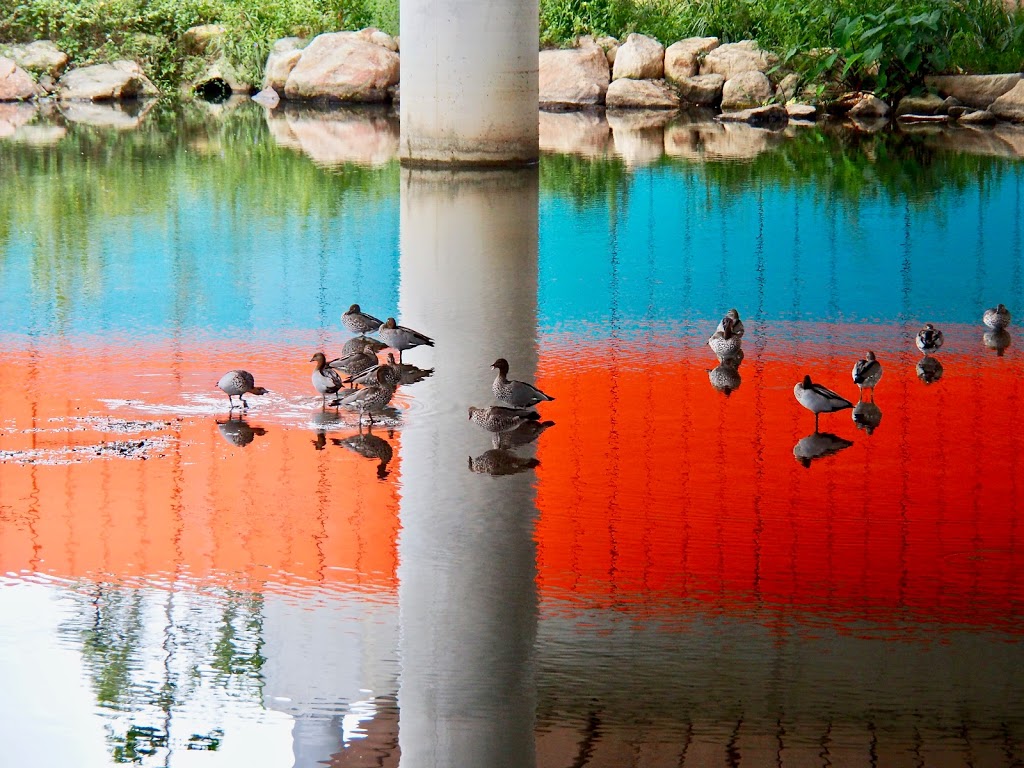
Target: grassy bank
{"points": [[874, 44]]}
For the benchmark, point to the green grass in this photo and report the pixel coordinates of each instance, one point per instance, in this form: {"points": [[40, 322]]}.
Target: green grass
{"points": [[876, 44]]}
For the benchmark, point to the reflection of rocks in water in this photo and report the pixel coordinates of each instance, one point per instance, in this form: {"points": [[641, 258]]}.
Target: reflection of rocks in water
{"points": [[579, 132], [236, 430], [867, 416], [704, 139], [14, 116], [639, 134], [499, 461], [929, 369], [997, 340], [524, 434], [122, 116], [369, 446], [725, 377], [1004, 140], [818, 445], [364, 135]]}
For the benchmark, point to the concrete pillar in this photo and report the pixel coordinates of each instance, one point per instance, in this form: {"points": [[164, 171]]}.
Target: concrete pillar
{"points": [[469, 82], [467, 587]]}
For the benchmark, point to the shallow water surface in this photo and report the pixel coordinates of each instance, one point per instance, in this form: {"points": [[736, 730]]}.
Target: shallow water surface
{"points": [[673, 568]]}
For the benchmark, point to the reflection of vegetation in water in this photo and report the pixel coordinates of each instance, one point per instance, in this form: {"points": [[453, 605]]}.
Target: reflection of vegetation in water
{"points": [[148, 654], [585, 182], [97, 181]]}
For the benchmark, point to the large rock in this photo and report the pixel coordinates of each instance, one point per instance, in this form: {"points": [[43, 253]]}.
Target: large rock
{"points": [[343, 66], [197, 40], [682, 59], [869, 105], [639, 58], [977, 91], [281, 61], [745, 90], [651, 94], [768, 114], [703, 90], [926, 105], [217, 77], [15, 83], [573, 77], [732, 59], [106, 82], [1010, 106], [39, 58]]}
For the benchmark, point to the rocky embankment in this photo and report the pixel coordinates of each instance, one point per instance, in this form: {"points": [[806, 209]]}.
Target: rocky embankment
{"points": [[740, 80]]}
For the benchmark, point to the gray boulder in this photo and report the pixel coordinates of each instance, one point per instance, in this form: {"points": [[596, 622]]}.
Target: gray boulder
{"points": [[929, 104], [639, 58], [746, 89], [573, 77], [39, 58], [732, 59], [650, 94], [768, 114], [682, 59], [343, 66], [703, 90], [106, 82], [15, 83], [1010, 106], [978, 91]]}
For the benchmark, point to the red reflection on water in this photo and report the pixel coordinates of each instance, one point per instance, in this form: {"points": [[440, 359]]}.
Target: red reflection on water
{"points": [[656, 487], [275, 512]]}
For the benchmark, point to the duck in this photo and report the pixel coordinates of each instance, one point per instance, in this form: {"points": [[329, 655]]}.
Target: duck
{"points": [[997, 340], [240, 383], [724, 342], [498, 461], [997, 318], [359, 322], [357, 362], [518, 394], [929, 369], [401, 338], [866, 373], [737, 324], [499, 418], [819, 399], [326, 380], [368, 377], [524, 434], [929, 339], [369, 399], [358, 343], [725, 378]]}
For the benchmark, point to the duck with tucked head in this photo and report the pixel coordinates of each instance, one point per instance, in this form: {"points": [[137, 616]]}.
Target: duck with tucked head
{"points": [[357, 321], [357, 362], [401, 338], [819, 399], [737, 324], [518, 394], [326, 380], [866, 374], [929, 339], [997, 318], [725, 343], [239, 383]]}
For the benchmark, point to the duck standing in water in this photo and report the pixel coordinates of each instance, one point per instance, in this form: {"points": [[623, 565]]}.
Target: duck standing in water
{"points": [[818, 399], [357, 362], [401, 338], [370, 399], [929, 339], [326, 380], [997, 318], [724, 342], [866, 374], [518, 394], [239, 383], [358, 322]]}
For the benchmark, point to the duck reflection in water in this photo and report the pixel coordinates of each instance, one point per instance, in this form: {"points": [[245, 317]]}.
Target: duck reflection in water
{"points": [[498, 461], [370, 446], [323, 421], [818, 445], [998, 340], [238, 432], [524, 434], [929, 369], [725, 377], [867, 415]]}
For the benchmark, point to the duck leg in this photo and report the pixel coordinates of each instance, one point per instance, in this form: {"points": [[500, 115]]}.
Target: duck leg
{"points": [[816, 423]]}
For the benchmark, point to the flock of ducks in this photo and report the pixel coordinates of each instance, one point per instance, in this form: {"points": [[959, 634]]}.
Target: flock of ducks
{"points": [[514, 421]]}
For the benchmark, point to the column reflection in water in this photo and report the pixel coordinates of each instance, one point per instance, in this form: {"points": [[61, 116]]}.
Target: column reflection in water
{"points": [[467, 588]]}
